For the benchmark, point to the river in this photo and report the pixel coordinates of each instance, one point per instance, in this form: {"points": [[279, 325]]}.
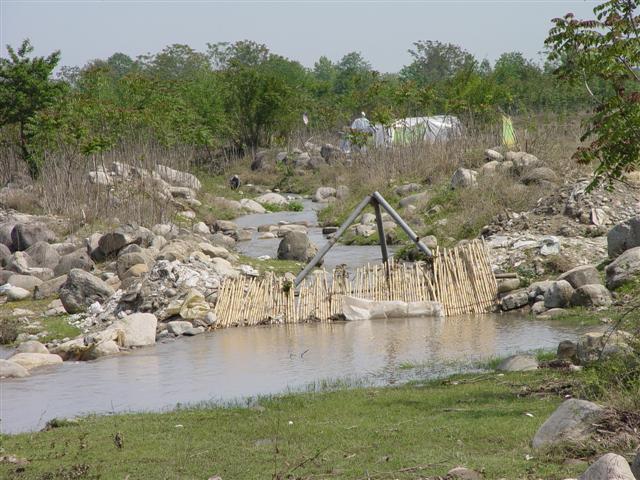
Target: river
{"points": [[236, 363]]}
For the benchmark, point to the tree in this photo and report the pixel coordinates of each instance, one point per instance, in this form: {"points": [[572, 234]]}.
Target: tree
{"points": [[26, 88], [606, 48], [435, 61]]}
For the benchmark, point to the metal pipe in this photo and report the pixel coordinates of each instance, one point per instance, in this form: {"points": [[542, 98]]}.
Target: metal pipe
{"points": [[380, 199], [343, 228], [382, 236]]}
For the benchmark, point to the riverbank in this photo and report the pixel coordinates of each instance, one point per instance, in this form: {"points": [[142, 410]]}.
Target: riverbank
{"points": [[484, 422]]}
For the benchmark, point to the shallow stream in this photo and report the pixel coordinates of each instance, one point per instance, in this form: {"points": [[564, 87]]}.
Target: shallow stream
{"points": [[236, 363]]}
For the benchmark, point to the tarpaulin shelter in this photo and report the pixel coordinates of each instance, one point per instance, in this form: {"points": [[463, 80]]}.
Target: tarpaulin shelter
{"points": [[424, 129]]}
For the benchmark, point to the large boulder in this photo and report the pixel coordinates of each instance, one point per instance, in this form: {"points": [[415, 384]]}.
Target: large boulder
{"points": [[591, 296], [12, 370], [582, 275], [624, 236], [78, 259], [128, 260], [5, 253], [24, 235], [18, 262], [571, 422], [514, 300], [15, 294], [5, 234], [49, 288], [540, 176], [35, 360], [252, 206], [623, 269], [296, 246], [635, 466], [139, 329], [324, 194], [27, 282], [81, 290], [609, 467], [31, 346], [558, 295], [42, 254], [111, 243], [273, 199], [523, 161], [178, 327], [518, 363], [595, 345], [176, 177], [464, 178]]}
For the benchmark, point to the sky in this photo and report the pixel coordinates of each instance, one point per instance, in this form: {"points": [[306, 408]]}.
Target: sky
{"points": [[382, 30]]}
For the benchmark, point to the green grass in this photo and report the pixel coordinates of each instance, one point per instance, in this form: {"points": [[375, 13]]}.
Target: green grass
{"points": [[292, 206], [57, 326], [406, 432]]}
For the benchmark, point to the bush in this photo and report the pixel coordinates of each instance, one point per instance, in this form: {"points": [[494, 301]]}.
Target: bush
{"points": [[9, 329]]}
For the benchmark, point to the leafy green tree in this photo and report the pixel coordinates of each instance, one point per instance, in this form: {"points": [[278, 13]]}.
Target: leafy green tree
{"points": [[435, 61], [606, 48], [26, 88]]}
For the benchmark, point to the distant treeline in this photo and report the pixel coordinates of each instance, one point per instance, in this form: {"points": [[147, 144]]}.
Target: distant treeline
{"points": [[242, 95]]}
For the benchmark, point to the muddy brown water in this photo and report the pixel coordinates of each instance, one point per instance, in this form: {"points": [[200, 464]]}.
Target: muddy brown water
{"points": [[239, 363], [242, 362]]}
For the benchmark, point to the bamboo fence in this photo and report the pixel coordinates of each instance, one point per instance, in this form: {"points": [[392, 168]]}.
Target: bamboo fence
{"points": [[460, 278]]}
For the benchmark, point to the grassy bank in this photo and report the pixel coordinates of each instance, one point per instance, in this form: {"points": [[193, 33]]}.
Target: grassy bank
{"points": [[485, 422]]}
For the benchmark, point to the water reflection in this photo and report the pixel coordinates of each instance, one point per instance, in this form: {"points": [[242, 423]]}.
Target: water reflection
{"points": [[238, 362]]}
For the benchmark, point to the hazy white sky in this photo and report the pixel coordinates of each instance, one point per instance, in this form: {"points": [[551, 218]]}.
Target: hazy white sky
{"points": [[382, 30]]}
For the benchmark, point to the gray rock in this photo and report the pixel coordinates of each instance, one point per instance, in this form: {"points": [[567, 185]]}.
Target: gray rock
{"points": [[272, 198], [415, 199], [5, 234], [595, 345], [296, 246], [582, 275], [430, 241], [635, 466], [19, 262], [5, 254], [406, 189], [31, 346], [10, 369], [493, 155], [252, 206], [623, 269], [139, 329], [518, 363], [567, 350], [523, 161], [43, 254], [489, 168], [537, 289], [178, 327], [15, 294], [324, 194], [128, 260], [540, 176], [35, 360], [463, 473], [609, 467], [176, 177], [49, 288], [559, 295], [572, 422], [553, 313], [329, 152], [193, 331], [624, 236], [25, 235], [81, 289], [464, 178], [591, 296], [538, 308], [514, 300], [111, 243], [508, 285], [24, 281], [78, 259]]}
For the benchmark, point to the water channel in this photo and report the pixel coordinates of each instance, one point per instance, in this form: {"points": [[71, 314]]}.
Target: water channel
{"points": [[232, 364]]}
